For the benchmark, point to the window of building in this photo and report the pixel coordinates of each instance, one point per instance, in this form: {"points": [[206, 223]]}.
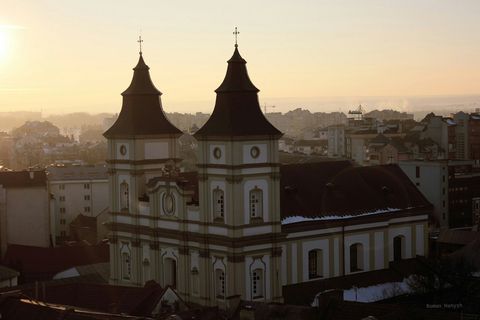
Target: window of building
{"points": [[170, 272], [62, 210], [126, 266], [443, 203], [86, 186], [256, 203], [257, 283], [62, 221], [218, 203], [61, 198], [146, 270], [124, 196], [195, 281], [86, 209], [86, 197], [417, 172], [61, 186], [220, 283], [398, 247], [356, 257], [63, 234], [315, 264]]}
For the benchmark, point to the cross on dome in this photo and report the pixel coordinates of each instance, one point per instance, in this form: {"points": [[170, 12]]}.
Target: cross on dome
{"points": [[140, 43], [236, 33]]}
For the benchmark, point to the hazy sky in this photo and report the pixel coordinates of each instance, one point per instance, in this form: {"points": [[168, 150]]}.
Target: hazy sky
{"points": [[67, 56]]}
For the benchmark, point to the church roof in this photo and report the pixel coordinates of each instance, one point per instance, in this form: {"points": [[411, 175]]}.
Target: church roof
{"points": [[237, 111], [142, 112], [338, 190]]}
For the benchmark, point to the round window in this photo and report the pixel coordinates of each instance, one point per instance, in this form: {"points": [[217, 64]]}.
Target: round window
{"points": [[217, 153], [123, 150], [254, 152], [168, 204]]}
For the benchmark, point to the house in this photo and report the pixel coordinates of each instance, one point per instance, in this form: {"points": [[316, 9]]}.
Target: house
{"points": [[25, 205], [452, 186], [36, 263], [8, 277], [76, 189]]}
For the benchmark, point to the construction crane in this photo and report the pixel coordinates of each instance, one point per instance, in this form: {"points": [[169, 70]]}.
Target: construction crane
{"points": [[265, 108]]}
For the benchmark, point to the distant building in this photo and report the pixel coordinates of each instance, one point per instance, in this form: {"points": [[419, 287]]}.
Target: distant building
{"points": [[452, 186], [76, 190], [25, 209], [336, 141], [309, 147]]}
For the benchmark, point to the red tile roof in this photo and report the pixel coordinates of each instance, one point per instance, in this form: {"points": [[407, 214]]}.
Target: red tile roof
{"points": [[15, 307], [36, 263], [23, 179]]}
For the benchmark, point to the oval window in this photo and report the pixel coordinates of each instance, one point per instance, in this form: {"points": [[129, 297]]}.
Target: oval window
{"points": [[217, 153], [123, 150], [169, 204], [254, 152]]}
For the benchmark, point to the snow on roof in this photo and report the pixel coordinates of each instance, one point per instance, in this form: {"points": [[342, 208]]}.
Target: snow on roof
{"points": [[377, 292], [297, 219], [374, 293], [450, 122]]}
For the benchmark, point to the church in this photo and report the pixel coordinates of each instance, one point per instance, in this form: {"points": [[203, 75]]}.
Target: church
{"points": [[244, 225]]}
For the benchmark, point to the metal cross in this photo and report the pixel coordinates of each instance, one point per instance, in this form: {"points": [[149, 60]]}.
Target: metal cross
{"points": [[140, 43], [236, 33]]}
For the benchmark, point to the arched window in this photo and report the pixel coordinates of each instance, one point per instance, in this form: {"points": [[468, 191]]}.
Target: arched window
{"points": [[218, 203], [220, 283], [256, 203], [146, 270], [126, 266], [170, 272], [257, 284], [356, 257], [398, 248], [124, 196], [195, 281], [315, 264]]}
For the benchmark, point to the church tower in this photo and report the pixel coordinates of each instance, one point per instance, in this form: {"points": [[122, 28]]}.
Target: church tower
{"points": [[238, 173], [141, 144]]}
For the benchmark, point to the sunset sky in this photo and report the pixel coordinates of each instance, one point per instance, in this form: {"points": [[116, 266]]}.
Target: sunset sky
{"points": [[68, 56]]}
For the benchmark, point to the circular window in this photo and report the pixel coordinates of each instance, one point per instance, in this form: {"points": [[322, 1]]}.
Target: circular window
{"points": [[254, 152], [169, 204], [123, 150], [217, 153]]}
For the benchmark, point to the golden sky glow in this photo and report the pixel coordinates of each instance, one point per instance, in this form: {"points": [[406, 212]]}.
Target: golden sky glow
{"points": [[68, 56]]}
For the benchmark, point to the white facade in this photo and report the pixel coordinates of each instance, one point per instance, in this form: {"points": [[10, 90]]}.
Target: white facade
{"points": [[431, 178], [77, 190], [336, 141]]}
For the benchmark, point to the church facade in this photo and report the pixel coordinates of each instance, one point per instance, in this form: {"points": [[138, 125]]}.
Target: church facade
{"points": [[244, 225]]}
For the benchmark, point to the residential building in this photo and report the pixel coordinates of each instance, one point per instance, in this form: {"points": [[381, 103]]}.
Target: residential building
{"points": [[452, 186], [25, 209], [336, 141], [77, 190]]}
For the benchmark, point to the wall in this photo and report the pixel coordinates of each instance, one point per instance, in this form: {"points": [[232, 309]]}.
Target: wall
{"points": [[432, 183], [25, 215]]}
